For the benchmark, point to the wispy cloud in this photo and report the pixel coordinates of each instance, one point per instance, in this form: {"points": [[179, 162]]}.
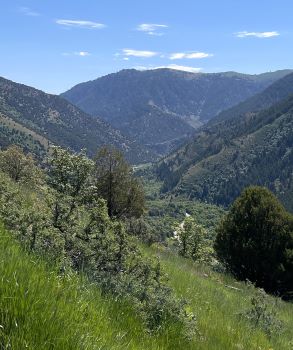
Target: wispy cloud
{"points": [[246, 34], [82, 53], [139, 53], [28, 12], [80, 24], [77, 53], [151, 28], [172, 66], [189, 55]]}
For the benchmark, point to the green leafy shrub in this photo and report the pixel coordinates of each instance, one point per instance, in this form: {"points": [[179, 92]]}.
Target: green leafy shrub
{"points": [[192, 241], [263, 312]]}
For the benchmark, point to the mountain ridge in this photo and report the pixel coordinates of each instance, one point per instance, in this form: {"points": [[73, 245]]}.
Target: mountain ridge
{"points": [[190, 98], [62, 123]]}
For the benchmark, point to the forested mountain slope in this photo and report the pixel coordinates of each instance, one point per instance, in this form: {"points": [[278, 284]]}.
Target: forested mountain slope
{"points": [[159, 106], [35, 119], [230, 155], [279, 90]]}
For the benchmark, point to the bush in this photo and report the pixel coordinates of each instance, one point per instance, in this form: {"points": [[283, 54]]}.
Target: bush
{"points": [[69, 223], [263, 312], [192, 242], [255, 241]]}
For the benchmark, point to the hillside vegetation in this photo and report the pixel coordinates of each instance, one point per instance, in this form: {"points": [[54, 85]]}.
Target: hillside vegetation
{"points": [[226, 156], [42, 310], [74, 277], [34, 119], [276, 92]]}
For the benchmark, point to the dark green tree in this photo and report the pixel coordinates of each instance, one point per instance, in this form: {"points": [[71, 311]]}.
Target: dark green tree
{"points": [[255, 241], [115, 183]]}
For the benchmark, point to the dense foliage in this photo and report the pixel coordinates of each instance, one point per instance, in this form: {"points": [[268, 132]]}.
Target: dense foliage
{"points": [[255, 240], [67, 221], [114, 183], [163, 212], [190, 237]]}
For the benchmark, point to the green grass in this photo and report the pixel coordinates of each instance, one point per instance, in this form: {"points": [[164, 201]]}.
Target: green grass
{"points": [[217, 307], [41, 310]]}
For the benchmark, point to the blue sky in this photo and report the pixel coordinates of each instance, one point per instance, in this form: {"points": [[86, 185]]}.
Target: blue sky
{"points": [[55, 44]]}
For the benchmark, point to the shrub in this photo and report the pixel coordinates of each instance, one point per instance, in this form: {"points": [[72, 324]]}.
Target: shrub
{"points": [[69, 223], [263, 312], [255, 241]]}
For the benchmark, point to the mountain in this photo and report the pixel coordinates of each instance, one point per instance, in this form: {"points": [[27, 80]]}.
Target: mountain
{"points": [[34, 120], [227, 155], [279, 90], [162, 106]]}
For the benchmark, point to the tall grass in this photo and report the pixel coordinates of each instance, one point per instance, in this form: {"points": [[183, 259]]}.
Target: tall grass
{"points": [[40, 310], [217, 307]]}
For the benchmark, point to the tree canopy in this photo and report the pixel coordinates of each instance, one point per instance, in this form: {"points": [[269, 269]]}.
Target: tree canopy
{"points": [[115, 183], [255, 241]]}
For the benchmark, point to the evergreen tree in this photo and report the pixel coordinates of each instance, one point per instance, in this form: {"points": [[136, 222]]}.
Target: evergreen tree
{"points": [[255, 240], [115, 183]]}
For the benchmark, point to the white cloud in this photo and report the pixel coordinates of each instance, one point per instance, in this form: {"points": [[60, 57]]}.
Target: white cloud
{"points": [[82, 53], [190, 55], [183, 68], [151, 28], [77, 53], [172, 66], [139, 53], [246, 34], [28, 12], [80, 24]]}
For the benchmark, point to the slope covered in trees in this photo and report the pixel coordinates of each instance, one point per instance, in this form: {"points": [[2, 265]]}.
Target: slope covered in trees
{"points": [[227, 156], [162, 106], [34, 119], [276, 92]]}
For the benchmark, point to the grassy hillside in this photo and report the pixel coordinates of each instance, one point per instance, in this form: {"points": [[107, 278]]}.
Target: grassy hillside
{"points": [[217, 300], [12, 132], [41, 310]]}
